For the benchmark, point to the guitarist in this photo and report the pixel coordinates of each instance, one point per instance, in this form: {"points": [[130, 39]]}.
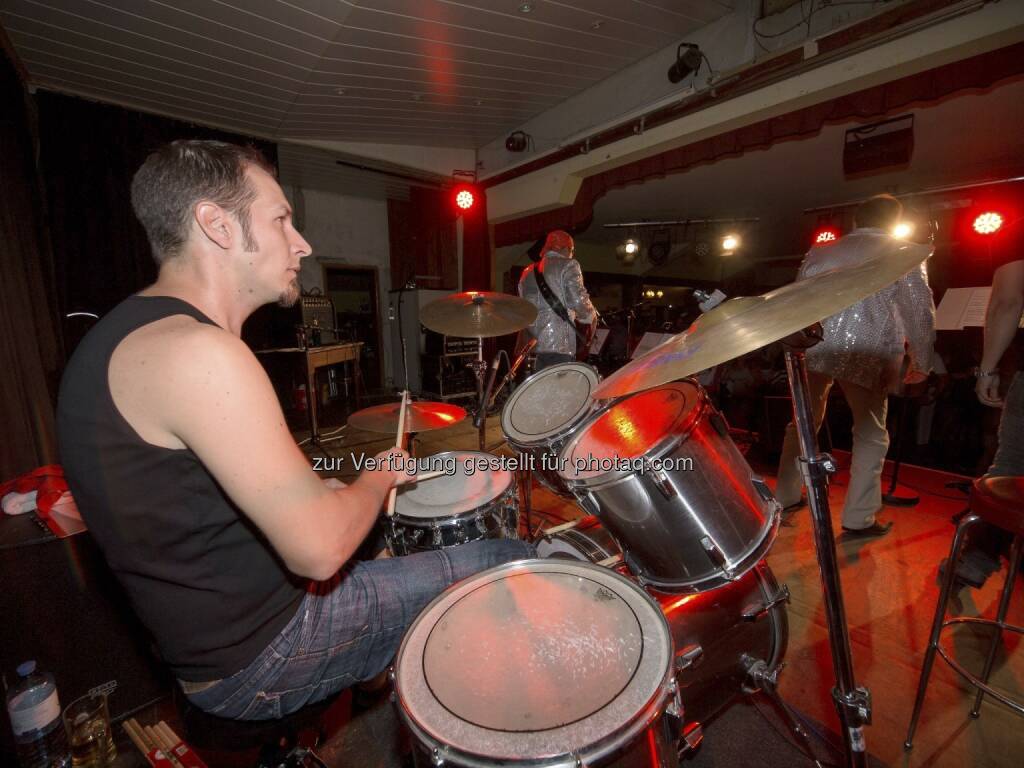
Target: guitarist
{"points": [[554, 284]]}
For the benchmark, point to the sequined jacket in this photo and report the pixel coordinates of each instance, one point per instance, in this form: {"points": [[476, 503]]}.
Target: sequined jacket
{"points": [[565, 278], [866, 344]]}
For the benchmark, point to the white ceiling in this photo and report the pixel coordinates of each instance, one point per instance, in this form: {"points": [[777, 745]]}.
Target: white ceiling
{"points": [[423, 72]]}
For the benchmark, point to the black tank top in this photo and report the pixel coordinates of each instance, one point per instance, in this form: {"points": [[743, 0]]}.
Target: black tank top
{"points": [[201, 576]]}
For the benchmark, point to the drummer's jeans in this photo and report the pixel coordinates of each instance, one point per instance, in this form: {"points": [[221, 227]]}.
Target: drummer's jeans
{"points": [[870, 443], [348, 629]]}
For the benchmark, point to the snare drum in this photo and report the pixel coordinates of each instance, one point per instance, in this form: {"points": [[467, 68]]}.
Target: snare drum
{"points": [[586, 540], [451, 509], [659, 469], [544, 411], [540, 663]]}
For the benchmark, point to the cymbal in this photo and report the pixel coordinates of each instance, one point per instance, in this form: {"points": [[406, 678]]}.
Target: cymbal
{"points": [[744, 324], [421, 417], [478, 313]]}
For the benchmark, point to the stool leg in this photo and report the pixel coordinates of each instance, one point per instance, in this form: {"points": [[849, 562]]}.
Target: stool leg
{"points": [[1004, 605], [940, 614]]}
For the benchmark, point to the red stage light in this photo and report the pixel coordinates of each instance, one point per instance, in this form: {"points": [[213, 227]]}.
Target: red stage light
{"points": [[465, 198], [988, 223], [826, 236]]}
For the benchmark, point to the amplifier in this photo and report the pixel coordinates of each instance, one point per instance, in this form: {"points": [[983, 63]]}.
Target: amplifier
{"points": [[439, 344], [318, 312], [448, 375]]}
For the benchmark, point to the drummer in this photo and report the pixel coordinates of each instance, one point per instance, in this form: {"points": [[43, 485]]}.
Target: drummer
{"points": [[235, 555], [560, 298]]}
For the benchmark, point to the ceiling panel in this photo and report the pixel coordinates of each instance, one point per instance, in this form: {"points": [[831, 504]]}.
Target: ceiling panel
{"points": [[431, 72]]}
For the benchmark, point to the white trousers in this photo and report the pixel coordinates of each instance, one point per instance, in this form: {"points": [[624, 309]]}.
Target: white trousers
{"points": [[870, 443]]}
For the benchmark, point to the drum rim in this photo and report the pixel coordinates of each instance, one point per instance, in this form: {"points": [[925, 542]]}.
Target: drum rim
{"points": [[556, 738], [668, 443], [508, 486], [519, 438]]}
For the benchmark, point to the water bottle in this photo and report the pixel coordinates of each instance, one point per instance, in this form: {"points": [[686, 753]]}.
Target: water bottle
{"points": [[34, 708]]}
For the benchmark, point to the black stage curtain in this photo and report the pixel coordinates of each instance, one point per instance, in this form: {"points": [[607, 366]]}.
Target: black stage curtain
{"points": [[30, 350], [89, 153]]}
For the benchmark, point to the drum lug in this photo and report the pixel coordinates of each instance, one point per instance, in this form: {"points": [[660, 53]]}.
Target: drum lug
{"points": [[415, 535], [717, 556], [661, 482], [757, 610], [481, 525], [436, 538], [688, 657], [460, 534], [436, 758]]}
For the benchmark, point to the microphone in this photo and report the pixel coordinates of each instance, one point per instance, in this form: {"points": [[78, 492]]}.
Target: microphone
{"points": [[481, 413]]}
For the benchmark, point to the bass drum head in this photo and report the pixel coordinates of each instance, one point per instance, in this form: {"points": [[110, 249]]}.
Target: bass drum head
{"points": [[533, 661], [468, 489], [549, 401]]}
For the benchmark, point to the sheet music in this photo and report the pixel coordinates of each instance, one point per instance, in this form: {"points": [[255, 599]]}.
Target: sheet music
{"points": [[600, 339], [648, 342], [963, 307]]}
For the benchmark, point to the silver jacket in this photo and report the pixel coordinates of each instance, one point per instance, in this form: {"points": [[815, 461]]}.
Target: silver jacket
{"points": [[565, 278], [866, 344]]}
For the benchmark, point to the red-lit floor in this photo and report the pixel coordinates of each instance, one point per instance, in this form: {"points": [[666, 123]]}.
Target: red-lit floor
{"points": [[890, 593]]}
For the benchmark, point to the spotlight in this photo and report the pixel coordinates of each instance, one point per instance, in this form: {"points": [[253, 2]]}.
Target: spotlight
{"points": [[827, 235], [988, 223], [464, 197], [631, 247], [516, 141], [687, 62], [648, 294], [903, 230], [730, 243], [659, 294]]}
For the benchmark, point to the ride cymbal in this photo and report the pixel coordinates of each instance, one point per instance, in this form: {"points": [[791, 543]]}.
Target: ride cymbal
{"points": [[741, 325], [478, 313]]}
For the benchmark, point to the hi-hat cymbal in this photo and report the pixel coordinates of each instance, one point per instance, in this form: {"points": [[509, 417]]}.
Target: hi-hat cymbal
{"points": [[478, 313], [421, 417], [744, 324]]}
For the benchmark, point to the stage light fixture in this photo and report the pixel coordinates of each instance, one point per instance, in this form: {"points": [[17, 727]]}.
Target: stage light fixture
{"points": [[730, 243], [464, 197], [648, 294], [631, 247], [659, 294], [827, 235], [988, 223], [688, 59], [903, 230]]}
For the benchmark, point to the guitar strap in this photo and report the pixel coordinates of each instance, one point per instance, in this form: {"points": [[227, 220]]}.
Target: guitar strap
{"points": [[554, 302]]}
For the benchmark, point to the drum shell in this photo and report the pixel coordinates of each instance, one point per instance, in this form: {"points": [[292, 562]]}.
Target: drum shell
{"points": [[661, 518], [714, 620]]}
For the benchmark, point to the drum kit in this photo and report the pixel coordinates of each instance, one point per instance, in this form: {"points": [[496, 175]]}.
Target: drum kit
{"points": [[644, 618]]}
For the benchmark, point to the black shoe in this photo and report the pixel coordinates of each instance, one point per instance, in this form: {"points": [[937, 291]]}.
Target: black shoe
{"points": [[873, 531]]}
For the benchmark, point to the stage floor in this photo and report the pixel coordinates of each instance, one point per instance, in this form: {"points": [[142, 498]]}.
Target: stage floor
{"points": [[890, 588]]}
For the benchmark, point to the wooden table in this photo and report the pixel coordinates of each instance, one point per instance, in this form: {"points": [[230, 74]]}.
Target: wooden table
{"points": [[321, 357]]}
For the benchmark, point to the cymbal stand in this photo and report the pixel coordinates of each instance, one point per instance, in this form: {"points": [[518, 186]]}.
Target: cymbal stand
{"points": [[853, 702], [479, 368]]}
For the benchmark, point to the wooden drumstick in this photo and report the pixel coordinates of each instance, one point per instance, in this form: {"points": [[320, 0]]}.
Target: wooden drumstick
{"points": [[399, 443]]}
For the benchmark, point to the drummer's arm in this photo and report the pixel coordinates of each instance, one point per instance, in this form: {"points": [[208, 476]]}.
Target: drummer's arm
{"points": [[220, 403]]}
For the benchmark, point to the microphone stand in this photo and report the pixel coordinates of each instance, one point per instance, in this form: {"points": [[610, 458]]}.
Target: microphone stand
{"points": [[852, 702]]}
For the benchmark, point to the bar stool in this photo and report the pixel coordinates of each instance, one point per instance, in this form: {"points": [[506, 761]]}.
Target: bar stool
{"points": [[998, 501]]}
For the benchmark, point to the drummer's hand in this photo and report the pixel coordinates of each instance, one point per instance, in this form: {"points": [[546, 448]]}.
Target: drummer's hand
{"points": [[988, 390], [392, 465]]}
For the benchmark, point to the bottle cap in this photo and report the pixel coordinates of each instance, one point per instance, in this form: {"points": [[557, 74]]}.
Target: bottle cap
{"points": [[26, 668]]}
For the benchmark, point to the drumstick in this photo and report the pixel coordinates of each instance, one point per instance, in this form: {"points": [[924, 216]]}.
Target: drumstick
{"points": [[157, 738], [182, 752], [399, 443], [558, 528], [425, 476], [154, 755]]}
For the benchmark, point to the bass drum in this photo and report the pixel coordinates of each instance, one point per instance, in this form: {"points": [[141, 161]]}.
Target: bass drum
{"points": [[716, 631]]}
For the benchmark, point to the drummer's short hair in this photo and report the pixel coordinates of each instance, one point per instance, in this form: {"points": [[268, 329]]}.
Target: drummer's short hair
{"points": [[880, 211], [177, 176]]}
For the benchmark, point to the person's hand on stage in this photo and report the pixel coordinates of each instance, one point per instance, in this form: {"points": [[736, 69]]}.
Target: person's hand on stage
{"points": [[988, 390]]}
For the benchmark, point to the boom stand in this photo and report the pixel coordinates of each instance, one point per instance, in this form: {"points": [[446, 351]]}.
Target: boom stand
{"points": [[853, 703]]}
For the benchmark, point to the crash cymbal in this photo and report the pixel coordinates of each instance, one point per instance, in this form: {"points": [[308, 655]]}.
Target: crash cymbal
{"points": [[421, 417], [744, 324], [478, 313]]}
